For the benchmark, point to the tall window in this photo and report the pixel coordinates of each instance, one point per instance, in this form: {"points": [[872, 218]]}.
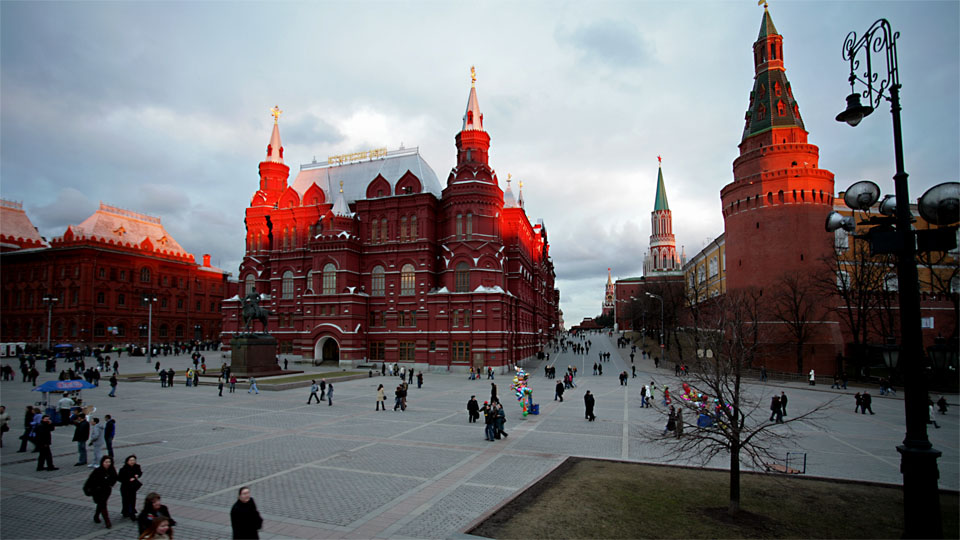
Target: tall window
{"points": [[287, 285], [459, 226], [285, 241], [249, 284], [403, 229], [383, 230], [377, 285], [329, 279], [377, 351], [373, 232], [469, 226], [462, 278], [407, 279], [145, 275], [460, 351], [121, 299], [413, 228], [466, 318], [407, 351]]}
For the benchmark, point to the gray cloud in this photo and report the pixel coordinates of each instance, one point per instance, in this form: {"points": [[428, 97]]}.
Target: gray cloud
{"points": [[70, 207], [614, 43]]}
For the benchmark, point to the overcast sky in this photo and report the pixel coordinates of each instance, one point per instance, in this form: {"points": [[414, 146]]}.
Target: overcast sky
{"points": [[163, 108]]}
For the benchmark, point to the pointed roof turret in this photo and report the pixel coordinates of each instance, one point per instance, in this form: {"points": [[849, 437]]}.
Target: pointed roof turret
{"points": [[473, 118], [275, 148], [520, 197], [609, 276], [340, 207], [772, 104], [766, 25], [661, 202], [509, 201]]}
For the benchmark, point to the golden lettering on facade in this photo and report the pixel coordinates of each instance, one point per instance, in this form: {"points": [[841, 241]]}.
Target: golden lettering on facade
{"points": [[340, 159]]}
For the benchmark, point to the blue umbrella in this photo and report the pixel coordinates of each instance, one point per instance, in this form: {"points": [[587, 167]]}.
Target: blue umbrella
{"points": [[63, 346], [63, 386]]}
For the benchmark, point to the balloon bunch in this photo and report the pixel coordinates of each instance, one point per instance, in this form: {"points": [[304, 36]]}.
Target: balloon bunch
{"points": [[522, 391], [698, 399]]}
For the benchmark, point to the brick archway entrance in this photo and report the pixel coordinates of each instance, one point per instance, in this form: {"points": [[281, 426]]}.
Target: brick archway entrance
{"points": [[326, 350]]}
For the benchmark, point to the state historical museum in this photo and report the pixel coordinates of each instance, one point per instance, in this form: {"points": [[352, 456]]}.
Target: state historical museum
{"points": [[367, 258]]}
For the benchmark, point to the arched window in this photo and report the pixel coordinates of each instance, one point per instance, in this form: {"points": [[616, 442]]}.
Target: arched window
{"points": [[285, 241], [373, 232], [469, 225], [413, 228], [163, 330], [249, 284], [329, 279], [377, 286], [293, 238], [145, 275], [407, 279], [656, 260], [383, 230], [287, 285], [462, 278], [403, 229]]}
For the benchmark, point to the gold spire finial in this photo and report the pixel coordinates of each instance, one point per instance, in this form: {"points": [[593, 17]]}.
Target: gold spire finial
{"points": [[521, 185], [762, 3], [473, 77], [341, 186], [276, 112], [509, 176]]}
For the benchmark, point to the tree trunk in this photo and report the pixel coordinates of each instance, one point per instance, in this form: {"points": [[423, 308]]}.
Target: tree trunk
{"points": [[800, 357], [734, 507]]}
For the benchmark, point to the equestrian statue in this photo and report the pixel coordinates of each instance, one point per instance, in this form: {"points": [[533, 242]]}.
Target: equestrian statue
{"points": [[252, 311]]}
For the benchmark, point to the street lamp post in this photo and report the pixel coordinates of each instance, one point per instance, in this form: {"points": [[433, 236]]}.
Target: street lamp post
{"points": [[660, 298], [49, 301], [918, 463], [150, 299]]}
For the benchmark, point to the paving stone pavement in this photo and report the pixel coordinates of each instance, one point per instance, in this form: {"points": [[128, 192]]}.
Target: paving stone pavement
{"points": [[348, 471]]}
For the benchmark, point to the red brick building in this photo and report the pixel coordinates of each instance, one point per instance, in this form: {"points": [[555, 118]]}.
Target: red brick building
{"points": [[101, 272], [368, 257]]}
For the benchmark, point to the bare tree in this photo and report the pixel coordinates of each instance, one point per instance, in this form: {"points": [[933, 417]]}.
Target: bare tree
{"points": [[941, 276], [852, 281], [798, 306], [736, 423]]}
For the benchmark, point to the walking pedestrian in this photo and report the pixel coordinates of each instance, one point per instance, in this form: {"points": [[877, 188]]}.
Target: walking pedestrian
{"points": [[4, 423], [244, 517], [99, 486], [774, 408], [129, 479], [330, 394], [634, 369], [153, 510], [763, 373], [930, 418], [499, 421], [813, 378], [398, 394], [109, 432], [81, 433], [381, 398], [589, 402], [253, 386], [113, 385], [233, 383], [671, 421], [419, 379], [783, 404], [866, 402], [63, 408], [42, 440], [323, 389], [220, 386], [859, 400], [170, 375], [473, 410], [27, 428], [493, 393], [163, 379], [488, 417], [643, 396], [942, 405], [558, 392], [314, 388], [96, 441]]}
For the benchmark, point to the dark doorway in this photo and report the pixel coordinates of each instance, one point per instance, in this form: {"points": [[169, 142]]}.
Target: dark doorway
{"points": [[331, 351]]}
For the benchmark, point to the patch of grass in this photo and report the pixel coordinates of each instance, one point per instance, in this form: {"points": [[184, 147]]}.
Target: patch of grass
{"points": [[632, 500], [310, 376]]}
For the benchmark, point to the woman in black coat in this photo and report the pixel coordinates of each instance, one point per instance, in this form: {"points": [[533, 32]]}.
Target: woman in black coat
{"points": [[129, 477], [152, 509], [99, 485], [244, 517]]}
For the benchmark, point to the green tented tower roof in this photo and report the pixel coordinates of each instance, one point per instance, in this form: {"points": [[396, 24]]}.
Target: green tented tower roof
{"points": [[661, 203], [766, 26]]}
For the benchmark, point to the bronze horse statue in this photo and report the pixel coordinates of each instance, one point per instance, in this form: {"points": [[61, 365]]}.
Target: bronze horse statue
{"points": [[252, 311]]}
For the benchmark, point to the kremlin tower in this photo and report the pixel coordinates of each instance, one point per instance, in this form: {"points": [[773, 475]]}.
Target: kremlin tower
{"points": [[774, 209], [662, 256], [608, 297]]}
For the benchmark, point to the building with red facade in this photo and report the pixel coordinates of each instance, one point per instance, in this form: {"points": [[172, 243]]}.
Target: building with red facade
{"points": [[367, 257], [99, 279]]}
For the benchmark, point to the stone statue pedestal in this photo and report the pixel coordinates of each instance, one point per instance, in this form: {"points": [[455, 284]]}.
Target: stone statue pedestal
{"points": [[254, 355]]}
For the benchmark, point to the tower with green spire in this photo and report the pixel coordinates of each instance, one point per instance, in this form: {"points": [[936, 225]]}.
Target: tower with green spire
{"points": [[662, 256]]}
